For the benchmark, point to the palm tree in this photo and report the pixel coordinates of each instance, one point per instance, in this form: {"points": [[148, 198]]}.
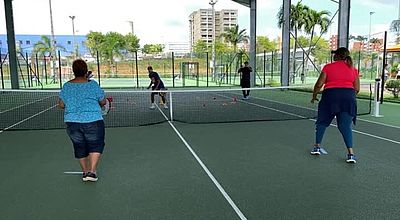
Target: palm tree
{"points": [[298, 15], [313, 19], [43, 47], [360, 38], [234, 36]]}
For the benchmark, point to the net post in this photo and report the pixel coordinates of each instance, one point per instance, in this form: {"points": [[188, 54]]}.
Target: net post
{"points": [[170, 107], [376, 98]]}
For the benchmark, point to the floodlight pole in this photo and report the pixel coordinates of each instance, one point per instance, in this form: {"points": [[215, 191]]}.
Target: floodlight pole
{"points": [[212, 3], [131, 24], [369, 34], [191, 36], [53, 46], [73, 36]]}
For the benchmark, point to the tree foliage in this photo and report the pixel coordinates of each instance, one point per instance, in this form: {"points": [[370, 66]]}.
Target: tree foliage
{"points": [[264, 43], [201, 47], [152, 48], [235, 36], [111, 45], [44, 47]]}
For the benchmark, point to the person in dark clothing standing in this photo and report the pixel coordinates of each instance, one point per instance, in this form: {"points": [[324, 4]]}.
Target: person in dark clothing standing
{"points": [[245, 79], [156, 84]]}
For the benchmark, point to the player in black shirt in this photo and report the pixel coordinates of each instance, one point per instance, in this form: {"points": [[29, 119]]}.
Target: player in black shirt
{"points": [[156, 84], [245, 79]]}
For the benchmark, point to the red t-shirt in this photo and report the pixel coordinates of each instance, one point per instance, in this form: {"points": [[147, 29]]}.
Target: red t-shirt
{"points": [[339, 75]]}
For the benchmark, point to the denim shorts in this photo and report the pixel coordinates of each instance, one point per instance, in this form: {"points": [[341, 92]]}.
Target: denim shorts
{"points": [[86, 137]]}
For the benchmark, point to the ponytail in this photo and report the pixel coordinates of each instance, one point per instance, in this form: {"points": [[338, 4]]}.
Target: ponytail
{"points": [[349, 61]]}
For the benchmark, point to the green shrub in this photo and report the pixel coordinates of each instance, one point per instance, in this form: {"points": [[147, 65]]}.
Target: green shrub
{"points": [[393, 85]]}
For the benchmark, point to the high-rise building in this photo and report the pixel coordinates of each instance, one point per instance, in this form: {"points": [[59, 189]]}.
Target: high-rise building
{"points": [[333, 42], [201, 24]]}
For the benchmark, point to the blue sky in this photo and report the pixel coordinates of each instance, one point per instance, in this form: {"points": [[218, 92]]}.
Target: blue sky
{"points": [[158, 21]]}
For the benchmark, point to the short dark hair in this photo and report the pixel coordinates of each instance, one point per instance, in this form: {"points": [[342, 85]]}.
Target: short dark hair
{"points": [[246, 63], [149, 68], [79, 67]]}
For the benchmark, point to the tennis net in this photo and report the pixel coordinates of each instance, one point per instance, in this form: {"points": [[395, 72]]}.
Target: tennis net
{"points": [[26, 109]]}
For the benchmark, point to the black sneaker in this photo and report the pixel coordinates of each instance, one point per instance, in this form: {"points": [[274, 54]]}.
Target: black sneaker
{"points": [[91, 177], [84, 176]]}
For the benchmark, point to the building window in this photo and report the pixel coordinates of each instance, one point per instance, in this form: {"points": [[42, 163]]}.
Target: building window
{"points": [[20, 42], [69, 42], [28, 42]]}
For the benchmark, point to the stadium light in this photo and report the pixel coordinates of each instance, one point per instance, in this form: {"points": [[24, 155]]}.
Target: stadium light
{"points": [[73, 35], [369, 34], [212, 3]]}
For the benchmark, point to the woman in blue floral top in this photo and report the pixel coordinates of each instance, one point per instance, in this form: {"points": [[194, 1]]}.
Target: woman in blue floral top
{"points": [[82, 100]]}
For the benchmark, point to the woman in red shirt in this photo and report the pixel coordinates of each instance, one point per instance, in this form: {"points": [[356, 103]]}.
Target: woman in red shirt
{"points": [[341, 84]]}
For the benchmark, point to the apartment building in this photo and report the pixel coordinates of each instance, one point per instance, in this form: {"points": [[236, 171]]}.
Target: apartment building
{"points": [[201, 24]]}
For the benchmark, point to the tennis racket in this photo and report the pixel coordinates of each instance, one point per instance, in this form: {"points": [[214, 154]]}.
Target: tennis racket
{"points": [[107, 107]]}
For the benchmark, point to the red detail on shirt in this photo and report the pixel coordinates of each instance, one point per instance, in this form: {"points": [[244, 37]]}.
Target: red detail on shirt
{"points": [[339, 75]]}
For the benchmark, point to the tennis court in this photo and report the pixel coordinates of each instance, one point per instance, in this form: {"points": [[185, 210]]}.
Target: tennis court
{"points": [[189, 165]]}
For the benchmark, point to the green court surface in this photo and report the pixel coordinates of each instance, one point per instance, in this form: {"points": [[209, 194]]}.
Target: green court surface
{"points": [[200, 169], [247, 170]]}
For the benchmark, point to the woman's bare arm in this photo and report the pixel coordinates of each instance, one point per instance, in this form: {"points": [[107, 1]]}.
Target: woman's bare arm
{"points": [[318, 85]]}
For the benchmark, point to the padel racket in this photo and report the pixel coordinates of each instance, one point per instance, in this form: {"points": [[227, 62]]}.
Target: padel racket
{"points": [[107, 107]]}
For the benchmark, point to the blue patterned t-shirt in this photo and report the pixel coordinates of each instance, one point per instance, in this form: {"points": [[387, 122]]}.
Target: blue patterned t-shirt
{"points": [[82, 101]]}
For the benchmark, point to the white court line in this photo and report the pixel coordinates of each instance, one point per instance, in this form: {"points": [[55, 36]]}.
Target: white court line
{"points": [[73, 172], [358, 118], [210, 175], [26, 119], [25, 104], [379, 123], [356, 131], [367, 134]]}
